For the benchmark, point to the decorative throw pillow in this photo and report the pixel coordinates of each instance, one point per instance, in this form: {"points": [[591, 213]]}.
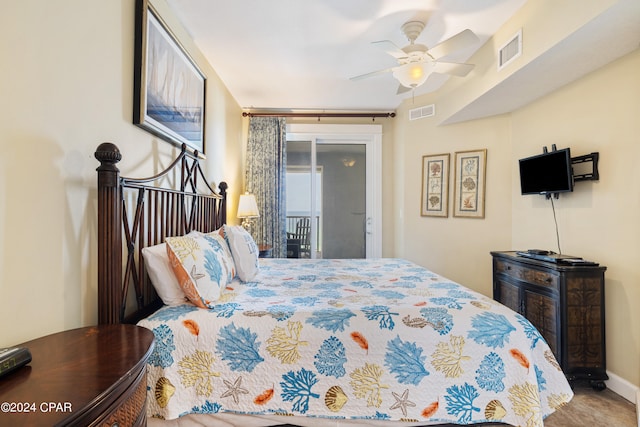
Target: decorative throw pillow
{"points": [[202, 265], [159, 269], [244, 250]]}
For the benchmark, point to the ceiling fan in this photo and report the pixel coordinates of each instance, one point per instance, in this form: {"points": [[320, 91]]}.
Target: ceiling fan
{"points": [[416, 62]]}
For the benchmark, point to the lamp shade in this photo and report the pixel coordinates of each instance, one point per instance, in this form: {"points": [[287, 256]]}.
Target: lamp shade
{"points": [[413, 74], [247, 206]]}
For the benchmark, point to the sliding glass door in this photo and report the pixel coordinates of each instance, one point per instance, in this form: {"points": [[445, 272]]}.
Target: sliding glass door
{"points": [[331, 194]]}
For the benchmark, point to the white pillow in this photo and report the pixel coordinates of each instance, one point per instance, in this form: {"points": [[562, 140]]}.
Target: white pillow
{"points": [[202, 265], [244, 250], [159, 269]]}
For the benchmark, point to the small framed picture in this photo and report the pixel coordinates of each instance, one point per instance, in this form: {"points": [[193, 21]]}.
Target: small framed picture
{"points": [[470, 173], [435, 185]]}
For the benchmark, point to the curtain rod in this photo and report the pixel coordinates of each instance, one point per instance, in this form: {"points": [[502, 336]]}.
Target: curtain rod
{"points": [[318, 115]]}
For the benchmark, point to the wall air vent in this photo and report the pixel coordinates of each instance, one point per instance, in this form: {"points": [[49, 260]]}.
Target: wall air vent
{"points": [[422, 112], [510, 50]]}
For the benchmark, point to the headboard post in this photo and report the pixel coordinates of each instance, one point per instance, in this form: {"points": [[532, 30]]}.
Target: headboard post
{"points": [[109, 234], [223, 208]]}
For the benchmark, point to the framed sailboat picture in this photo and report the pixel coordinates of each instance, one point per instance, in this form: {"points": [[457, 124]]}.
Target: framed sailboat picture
{"points": [[169, 88]]}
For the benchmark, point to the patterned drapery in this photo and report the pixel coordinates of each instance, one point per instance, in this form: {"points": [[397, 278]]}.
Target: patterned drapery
{"points": [[265, 178]]}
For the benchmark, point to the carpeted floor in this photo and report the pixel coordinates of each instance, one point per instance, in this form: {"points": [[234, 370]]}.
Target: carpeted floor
{"points": [[591, 408]]}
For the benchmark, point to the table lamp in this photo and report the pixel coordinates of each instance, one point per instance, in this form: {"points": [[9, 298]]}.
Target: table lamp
{"points": [[247, 210]]}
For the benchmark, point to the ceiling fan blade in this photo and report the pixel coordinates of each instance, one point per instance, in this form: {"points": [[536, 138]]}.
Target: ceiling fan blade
{"points": [[452, 44], [402, 89], [453, 68], [371, 74], [391, 48]]}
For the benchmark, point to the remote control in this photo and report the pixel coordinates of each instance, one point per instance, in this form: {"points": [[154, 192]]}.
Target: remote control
{"points": [[581, 262], [12, 358], [540, 252]]}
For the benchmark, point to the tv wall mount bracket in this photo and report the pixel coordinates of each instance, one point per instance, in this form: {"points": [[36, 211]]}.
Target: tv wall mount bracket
{"points": [[591, 175]]}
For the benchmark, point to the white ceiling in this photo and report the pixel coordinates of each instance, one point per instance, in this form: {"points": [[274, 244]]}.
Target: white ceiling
{"points": [[300, 54]]}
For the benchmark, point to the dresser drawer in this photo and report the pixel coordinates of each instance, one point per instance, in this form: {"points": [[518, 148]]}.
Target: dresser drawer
{"points": [[527, 274]]}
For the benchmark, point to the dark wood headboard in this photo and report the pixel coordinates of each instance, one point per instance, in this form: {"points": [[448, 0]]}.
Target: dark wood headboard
{"points": [[137, 212]]}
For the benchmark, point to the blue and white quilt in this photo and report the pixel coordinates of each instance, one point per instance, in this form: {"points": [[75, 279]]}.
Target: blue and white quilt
{"points": [[381, 339]]}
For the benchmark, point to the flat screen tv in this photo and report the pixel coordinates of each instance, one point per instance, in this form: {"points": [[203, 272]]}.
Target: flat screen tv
{"points": [[547, 173]]}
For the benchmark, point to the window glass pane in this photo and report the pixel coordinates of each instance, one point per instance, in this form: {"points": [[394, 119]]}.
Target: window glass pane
{"points": [[343, 199]]}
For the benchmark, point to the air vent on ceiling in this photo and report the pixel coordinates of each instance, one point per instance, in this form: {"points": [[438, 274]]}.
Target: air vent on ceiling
{"points": [[510, 50], [422, 112]]}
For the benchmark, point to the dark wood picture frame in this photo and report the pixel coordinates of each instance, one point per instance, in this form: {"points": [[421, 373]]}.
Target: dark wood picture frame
{"points": [[169, 87]]}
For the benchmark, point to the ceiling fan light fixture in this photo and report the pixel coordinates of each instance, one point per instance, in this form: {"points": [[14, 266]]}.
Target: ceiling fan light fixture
{"points": [[413, 74], [416, 61]]}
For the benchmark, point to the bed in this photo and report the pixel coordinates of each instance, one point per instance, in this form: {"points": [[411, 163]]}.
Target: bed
{"points": [[309, 342]]}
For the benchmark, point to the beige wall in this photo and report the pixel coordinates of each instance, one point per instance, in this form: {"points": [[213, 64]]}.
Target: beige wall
{"points": [[66, 85], [598, 221], [454, 246]]}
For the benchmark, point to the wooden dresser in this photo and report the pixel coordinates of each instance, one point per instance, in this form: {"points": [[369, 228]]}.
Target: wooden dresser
{"points": [[94, 376], [565, 303]]}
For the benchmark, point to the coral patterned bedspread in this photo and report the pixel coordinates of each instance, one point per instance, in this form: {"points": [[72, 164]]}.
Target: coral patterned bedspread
{"points": [[380, 339]]}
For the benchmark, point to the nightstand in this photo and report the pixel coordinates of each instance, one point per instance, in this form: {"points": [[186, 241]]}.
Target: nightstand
{"points": [[265, 251], [83, 377]]}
